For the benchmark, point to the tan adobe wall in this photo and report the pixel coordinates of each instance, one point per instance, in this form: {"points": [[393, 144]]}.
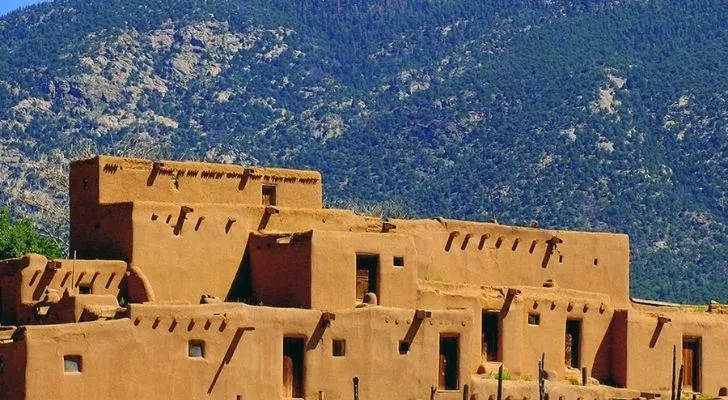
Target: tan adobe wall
{"points": [[523, 343], [28, 279], [650, 346], [107, 180], [12, 368], [319, 269], [175, 247], [242, 354], [280, 270], [498, 255]]}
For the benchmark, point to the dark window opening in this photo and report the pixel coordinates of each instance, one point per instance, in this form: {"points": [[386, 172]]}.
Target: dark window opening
{"points": [[515, 244], [561, 258], [338, 347], [398, 262], [293, 352], [268, 195], [596, 262], [490, 335], [366, 275], [72, 364], [449, 363], [482, 241], [572, 343], [404, 347], [498, 243], [84, 289], [691, 359], [534, 319], [196, 349]]}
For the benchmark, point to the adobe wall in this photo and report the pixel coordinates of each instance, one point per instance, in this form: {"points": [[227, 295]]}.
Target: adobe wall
{"points": [[318, 269], [650, 347], [175, 245], [522, 343], [108, 180], [12, 368], [26, 280], [242, 354], [280, 270], [499, 255]]}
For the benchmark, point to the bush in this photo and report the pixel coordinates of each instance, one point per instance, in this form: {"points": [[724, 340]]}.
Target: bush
{"points": [[20, 237]]}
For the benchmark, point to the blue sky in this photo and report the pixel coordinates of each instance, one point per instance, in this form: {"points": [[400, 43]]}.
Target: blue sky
{"points": [[11, 5]]}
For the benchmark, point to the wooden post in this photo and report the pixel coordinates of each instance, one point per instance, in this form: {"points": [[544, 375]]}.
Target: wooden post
{"points": [[583, 376], [466, 392], [541, 377], [674, 357], [433, 392], [500, 383], [680, 383], [356, 387]]}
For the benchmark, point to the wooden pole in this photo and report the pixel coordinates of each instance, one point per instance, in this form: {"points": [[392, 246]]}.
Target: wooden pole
{"points": [[674, 363], [541, 377], [680, 383], [500, 383], [583, 376], [466, 392]]}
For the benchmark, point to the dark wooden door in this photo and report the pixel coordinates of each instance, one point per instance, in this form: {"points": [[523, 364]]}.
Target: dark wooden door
{"points": [[691, 364]]}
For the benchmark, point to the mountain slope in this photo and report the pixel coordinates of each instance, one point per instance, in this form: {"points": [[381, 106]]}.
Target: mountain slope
{"points": [[599, 115]]}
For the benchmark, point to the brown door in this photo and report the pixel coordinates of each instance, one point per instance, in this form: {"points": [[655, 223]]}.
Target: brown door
{"points": [[691, 364]]}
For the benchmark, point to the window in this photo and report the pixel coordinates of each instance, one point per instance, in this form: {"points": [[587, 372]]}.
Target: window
{"points": [[366, 275], [449, 362], [338, 347], [534, 319], [84, 288], [268, 195], [293, 352], [572, 343], [490, 331], [398, 262], [72, 364], [196, 349]]}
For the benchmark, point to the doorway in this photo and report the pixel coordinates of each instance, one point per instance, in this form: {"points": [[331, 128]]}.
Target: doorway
{"points": [[367, 267], [293, 353], [572, 343], [490, 336], [449, 362], [691, 362]]}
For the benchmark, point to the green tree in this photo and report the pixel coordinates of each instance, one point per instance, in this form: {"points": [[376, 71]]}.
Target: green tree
{"points": [[20, 237]]}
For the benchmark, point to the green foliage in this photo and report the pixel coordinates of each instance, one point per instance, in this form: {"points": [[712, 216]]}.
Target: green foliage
{"points": [[18, 238]]}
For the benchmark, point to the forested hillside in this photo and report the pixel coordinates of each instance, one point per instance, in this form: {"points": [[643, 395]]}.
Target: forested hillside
{"points": [[596, 115]]}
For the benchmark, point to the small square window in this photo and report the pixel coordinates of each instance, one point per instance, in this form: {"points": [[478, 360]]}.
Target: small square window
{"points": [[72, 364], [404, 347], [338, 347], [534, 319], [196, 349], [398, 262], [84, 289]]}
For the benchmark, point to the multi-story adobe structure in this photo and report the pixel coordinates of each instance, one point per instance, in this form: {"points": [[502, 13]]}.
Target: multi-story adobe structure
{"points": [[196, 281]]}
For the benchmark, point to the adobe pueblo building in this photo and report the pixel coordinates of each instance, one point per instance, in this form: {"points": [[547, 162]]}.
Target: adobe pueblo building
{"points": [[197, 281]]}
